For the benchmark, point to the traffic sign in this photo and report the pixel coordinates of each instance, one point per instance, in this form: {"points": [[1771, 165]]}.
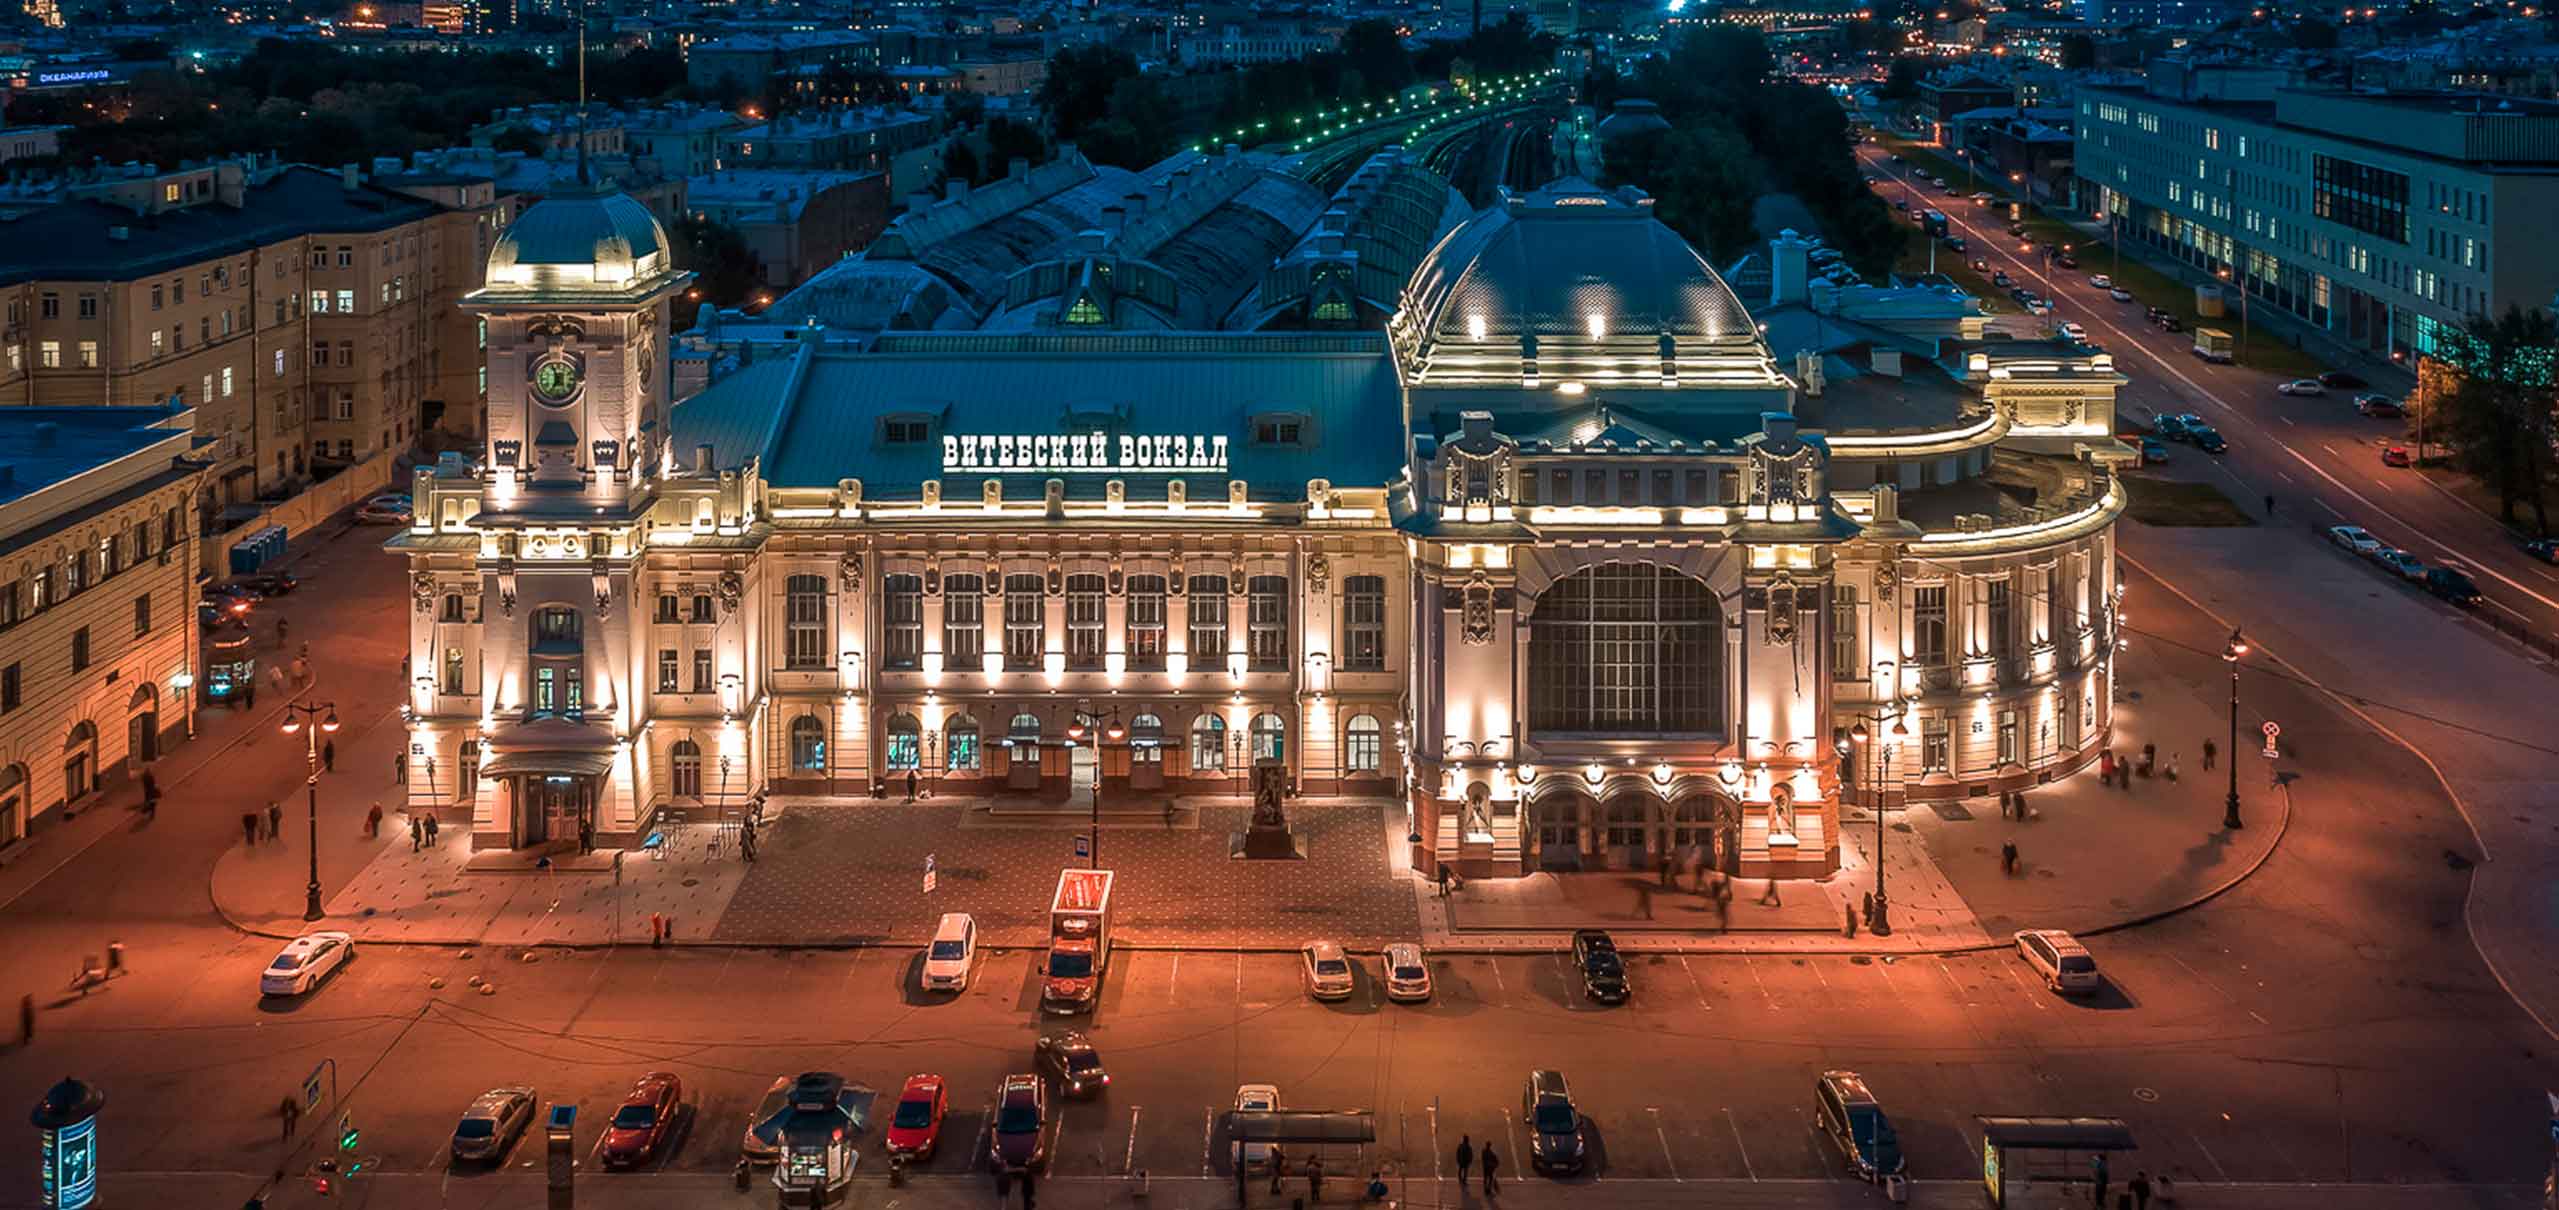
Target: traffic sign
{"points": [[2271, 729], [1083, 848], [932, 877]]}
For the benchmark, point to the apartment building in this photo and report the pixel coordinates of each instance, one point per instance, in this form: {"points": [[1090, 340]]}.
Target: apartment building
{"points": [[97, 622], [295, 309], [2380, 218]]}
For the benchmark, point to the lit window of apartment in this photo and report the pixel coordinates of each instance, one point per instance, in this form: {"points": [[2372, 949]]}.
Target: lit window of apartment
{"points": [[88, 354], [49, 354], [346, 302]]}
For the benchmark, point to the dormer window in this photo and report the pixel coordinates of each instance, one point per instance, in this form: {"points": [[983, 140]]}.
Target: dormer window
{"points": [[1281, 429], [905, 430]]}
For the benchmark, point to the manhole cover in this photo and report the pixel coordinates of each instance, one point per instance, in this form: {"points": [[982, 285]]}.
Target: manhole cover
{"points": [[1860, 960], [692, 882], [1901, 827], [2145, 1094], [1950, 811]]}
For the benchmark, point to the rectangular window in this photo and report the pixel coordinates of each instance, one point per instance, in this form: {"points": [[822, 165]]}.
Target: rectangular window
{"points": [[453, 670], [142, 615], [88, 354], [1935, 751], [805, 613], [1266, 623], [319, 302], [9, 685], [79, 649], [2008, 737], [701, 608], [902, 620], [1363, 748], [1025, 600], [1207, 622], [346, 302], [1085, 595], [49, 354], [702, 670], [1364, 624], [2001, 639], [1845, 664], [88, 306], [1928, 626], [1146, 623], [669, 611], [670, 670], [320, 353], [963, 621]]}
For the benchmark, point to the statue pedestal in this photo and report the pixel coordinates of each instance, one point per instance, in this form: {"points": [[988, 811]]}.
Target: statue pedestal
{"points": [[1266, 844]]}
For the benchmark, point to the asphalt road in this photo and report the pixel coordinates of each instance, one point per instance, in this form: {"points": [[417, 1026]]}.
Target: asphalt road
{"points": [[2316, 455]]}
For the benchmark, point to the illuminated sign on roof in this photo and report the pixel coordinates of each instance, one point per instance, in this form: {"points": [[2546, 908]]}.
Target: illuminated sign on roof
{"points": [[1084, 454]]}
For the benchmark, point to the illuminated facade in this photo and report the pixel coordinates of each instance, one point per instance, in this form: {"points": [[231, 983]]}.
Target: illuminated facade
{"points": [[1563, 559]]}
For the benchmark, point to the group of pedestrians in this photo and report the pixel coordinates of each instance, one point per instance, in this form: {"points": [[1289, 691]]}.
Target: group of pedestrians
{"points": [[251, 832]]}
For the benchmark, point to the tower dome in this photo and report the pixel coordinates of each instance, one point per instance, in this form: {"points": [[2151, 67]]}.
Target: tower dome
{"points": [[581, 242]]}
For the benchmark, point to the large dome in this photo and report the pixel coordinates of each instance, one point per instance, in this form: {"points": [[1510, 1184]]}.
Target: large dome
{"points": [[581, 241], [1567, 274]]}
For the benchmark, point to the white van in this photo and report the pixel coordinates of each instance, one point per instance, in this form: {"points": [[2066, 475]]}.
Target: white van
{"points": [[952, 955]]}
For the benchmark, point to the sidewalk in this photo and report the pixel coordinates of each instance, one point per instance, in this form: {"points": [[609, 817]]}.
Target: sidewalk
{"points": [[514, 1190]]}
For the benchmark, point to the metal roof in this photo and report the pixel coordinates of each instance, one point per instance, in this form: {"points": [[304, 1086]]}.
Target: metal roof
{"points": [[2058, 1134]]}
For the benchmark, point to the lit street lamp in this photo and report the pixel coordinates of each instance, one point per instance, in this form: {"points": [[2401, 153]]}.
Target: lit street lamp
{"points": [[1880, 923], [2230, 653], [309, 721]]}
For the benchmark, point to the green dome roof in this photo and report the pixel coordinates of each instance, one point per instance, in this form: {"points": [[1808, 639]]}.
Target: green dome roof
{"points": [[581, 241]]}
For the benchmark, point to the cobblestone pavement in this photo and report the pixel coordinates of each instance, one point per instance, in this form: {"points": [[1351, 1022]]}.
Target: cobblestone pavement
{"points": [[833, 870]]}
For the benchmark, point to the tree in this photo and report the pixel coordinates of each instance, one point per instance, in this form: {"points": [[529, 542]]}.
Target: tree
{"points": [[725, 269], [1372, 48], [959, 162], [2497, 416], [521, 139], [2078, 52], [2311, 33], [1901, 82], [1008, 140], [1080, 82]]}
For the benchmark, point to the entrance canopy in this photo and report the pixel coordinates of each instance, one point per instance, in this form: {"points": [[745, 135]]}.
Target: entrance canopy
{"points": [[2057, 1134], [1301, 1126], [549, 745], [571, 764]]}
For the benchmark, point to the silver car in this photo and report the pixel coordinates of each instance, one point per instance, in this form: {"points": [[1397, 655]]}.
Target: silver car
{"points": [[1408, 975], [491, 1125]]}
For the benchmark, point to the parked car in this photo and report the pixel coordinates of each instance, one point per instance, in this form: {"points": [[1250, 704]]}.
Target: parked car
{"points": [[2170, 323], [1555, 1143], [1327, 970], [2355, 538], [2407, 565], [642, 1127], [2000, 278], [2206, 438], [373, 512], [915, 1126], [2119, 294], [1901, 203], [2066, 261], [2153, 450], [2395, 454], [2341, 380], [1980, 265], [267, 583], [2020, 295], [1075, 1061], [1408, 975], [491, 1124], [1020, 1140], [2101, 281], [1253, 1098], [2454, 585], [953, 953], [1603, 972], [755, 1146], [2173, 426], [2074, 333], [2065, 965], [2378, 405], [304, 962], [2544, 549], [1955, 243], [2302, 386], [2016, 228], [1855, 1122], [2040, 305]]}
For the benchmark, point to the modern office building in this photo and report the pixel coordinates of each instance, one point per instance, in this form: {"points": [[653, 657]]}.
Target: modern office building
{"points": [[1558, 554], [2379, 218], [97, 600]]}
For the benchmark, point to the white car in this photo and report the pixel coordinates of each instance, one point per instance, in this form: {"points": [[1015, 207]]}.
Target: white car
{"points": [[2064, 963], [2074, 333], [2302, 386], [2409, 566], [1327, 970], [2119, 294], [2355, 538], [304, 961], [1408, 975], [954, 951], [2101, 281], [1262, 1097]]}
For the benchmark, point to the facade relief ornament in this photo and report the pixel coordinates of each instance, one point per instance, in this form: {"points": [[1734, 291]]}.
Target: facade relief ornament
{"points": [[1887, 581], [848, 571], [732, 591], [1319, 573], [1782, 610], [1478, 610], [422, 592]]}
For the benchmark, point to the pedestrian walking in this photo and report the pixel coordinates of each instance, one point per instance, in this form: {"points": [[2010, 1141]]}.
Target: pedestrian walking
{"points": [[2008, 858], [2097, 1180], [150, 793], [2139, 1187], [329, 756], [1849, 928], [2106, 766], [399, 768], [433, 828], [373, 821], [1315, 1179], [417, 833], [2210, 751], [291, 1111], [2270, 506], [2149, 758], [27, 1020], [586, 836], [2172, 766], [1668, 882], [282, 627], [1443, 880], [275, 820], [1465, 1158], [1492, 1169], [910, 785], [115, 959], [249, 827], [1377, 1189], [1279, 1170]]}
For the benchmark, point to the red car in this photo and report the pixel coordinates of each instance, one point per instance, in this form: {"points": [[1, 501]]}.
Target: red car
{"points": [[646, 1120], [2394, 455], [916, 1128]]}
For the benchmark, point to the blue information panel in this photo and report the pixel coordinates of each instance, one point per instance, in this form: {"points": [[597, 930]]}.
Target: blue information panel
{"points": [[71, 1165]]}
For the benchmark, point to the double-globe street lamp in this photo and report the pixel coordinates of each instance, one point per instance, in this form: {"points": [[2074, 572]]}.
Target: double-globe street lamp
{"points": [[2230, 653], [309, 721], [1077, 731], [1881, 923]]}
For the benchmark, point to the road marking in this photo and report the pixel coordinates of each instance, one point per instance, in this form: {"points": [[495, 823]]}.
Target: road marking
{"points": [[1208, 1140], [1659, 1133], [1434, 1112], [1496, 964], [1742, 1146], [1129, 1163], [2208, 1155], [1517, 1155], [2286, 419], [2022, 985], [1764, 994], [1176, 980], [1692, 982]]}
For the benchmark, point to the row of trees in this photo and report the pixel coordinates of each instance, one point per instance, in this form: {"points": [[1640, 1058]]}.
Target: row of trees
{"points": [[2490, 399], [1736, 133]]}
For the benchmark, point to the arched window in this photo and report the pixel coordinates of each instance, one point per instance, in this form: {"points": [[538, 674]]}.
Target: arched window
{"points": [[1146, 740], [556, 631], [1270, 737], [804, 619], [1364, 744], [808, 744], [1208, 744], [1626, 818], [1626, 648], [13, 802], [79, 761], [685, 762], [1023, 731], [960, 747], [906, 742]]}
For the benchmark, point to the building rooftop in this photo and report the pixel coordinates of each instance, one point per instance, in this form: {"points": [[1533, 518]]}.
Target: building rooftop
{"points": [[40, 447], [792, 189], [96, 241]]}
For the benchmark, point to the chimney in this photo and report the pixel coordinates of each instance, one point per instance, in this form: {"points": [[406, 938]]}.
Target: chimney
{"points": [[1476, 426], [351, 176], [1888, 362], [955, 189], [1887, 503], [702, 460], [1780, 428], [1017, 168], [918, 202], [1789, 268], [1114, 219]]}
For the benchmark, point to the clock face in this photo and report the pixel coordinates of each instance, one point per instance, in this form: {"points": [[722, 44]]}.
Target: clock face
{"points": [[555, 380]]}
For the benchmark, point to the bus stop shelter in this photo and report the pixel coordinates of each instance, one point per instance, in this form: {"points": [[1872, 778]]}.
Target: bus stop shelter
{"points": [[2020, 1153], [1306, 1128]]}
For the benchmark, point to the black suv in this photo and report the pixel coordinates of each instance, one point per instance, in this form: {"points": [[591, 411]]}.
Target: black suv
{"points": [[2452, 585], [1603, 972], [1555, 1144]]}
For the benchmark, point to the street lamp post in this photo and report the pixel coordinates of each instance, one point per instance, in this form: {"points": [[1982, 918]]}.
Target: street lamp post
{"points": [[1880, 923], [2230, 653], [310, 721]]}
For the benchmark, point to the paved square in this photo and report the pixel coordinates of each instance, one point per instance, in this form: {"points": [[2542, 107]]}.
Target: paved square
{"points": [[835, 870]]}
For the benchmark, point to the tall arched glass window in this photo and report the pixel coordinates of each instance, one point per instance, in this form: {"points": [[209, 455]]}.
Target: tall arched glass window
{"points": [[1363, 744], [1208, 744], [808, 744], [1626, 648], [1270, 737], [906, 742], [960, 745], [685, 764]]}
